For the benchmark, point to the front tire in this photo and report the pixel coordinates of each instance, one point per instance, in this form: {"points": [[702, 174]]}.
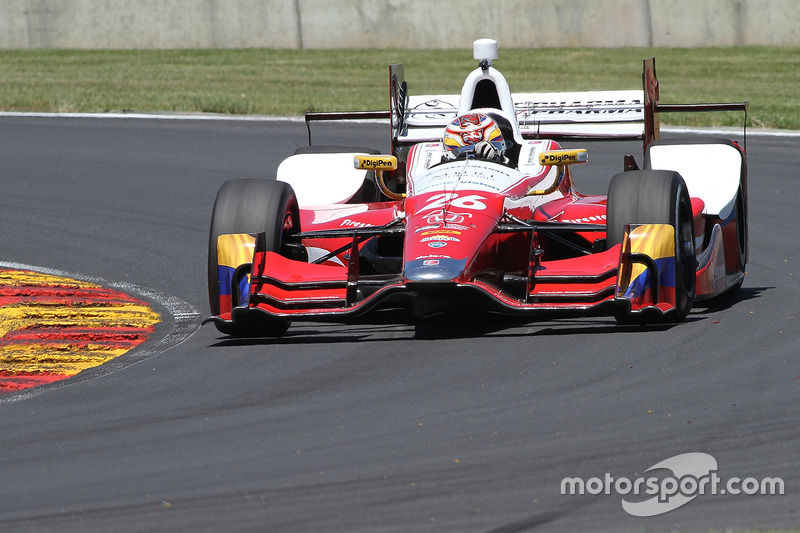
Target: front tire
{"points": [[656, 197], [252, 206]]}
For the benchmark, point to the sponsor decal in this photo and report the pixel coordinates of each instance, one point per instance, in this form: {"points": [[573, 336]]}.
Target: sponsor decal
{"points": [[560, 157], [442, 227], [437, 244], [690, 475], [430, 262], [428, 156], [527, 109], [375, 162], [553, 159], [354, 224], [426, 228], [595, 218], [441, 238], [442, 232], [450, 219], [439, 109]]}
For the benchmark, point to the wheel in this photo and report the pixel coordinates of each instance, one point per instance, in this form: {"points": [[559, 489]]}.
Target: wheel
{"points": [[741, 243], [656, 197], [252, 206]]}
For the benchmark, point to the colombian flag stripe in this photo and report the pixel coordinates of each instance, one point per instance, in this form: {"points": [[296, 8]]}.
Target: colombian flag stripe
{"points": [[666, 270], [233, 250], [658, 242]]}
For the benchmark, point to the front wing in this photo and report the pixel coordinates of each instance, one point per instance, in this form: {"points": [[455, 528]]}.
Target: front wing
{"points": [[637, 276]]}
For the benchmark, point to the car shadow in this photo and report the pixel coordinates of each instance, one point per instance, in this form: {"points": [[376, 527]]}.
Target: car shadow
{"points": [[398, 325], [726, 301], [444, 328]]}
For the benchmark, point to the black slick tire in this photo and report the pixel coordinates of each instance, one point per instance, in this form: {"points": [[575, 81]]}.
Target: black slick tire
{"points": [[656, 197], [251, 206]]}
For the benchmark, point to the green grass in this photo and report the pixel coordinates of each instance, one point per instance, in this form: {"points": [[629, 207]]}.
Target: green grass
{"points": [[289, 82]]}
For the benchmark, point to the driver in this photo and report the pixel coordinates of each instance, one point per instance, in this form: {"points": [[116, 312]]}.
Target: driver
{"points": [[474, 135]]}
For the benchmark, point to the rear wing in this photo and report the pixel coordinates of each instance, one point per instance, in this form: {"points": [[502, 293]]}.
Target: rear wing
{"points": [[596, 114], [652, 108], [589, 115]]}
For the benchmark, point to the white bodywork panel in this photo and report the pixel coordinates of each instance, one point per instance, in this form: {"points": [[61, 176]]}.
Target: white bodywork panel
{"points": [[711, 171], [468, 174], [320, 179], [425, 155], [422, 157], [529, 152], [475, 174]]}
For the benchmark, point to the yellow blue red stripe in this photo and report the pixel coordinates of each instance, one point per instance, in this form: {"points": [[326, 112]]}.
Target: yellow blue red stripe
{"points": [[233, 250], [656, 241]]}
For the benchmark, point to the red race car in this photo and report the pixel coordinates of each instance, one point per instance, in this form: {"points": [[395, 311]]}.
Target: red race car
{"points": [[475, 210]]}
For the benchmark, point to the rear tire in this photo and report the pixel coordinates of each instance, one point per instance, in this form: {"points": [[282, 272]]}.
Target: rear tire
{"points": [[741, 242], [656, 197], [252, 206]]}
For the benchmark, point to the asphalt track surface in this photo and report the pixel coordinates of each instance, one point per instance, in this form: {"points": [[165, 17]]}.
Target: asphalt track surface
{"points": [[373, 426]]}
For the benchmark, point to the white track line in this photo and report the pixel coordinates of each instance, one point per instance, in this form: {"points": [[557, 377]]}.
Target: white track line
{"points": [[156, 116]]}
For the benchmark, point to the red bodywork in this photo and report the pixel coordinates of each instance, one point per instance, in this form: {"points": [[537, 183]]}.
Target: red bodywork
{"points": [[452, 251]]}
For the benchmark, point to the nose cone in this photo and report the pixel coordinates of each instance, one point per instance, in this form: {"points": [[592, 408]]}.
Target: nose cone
{"points": [[434, 270]]}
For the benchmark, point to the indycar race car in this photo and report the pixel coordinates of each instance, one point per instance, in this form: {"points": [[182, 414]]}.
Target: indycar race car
{"points": [[475, 210]]}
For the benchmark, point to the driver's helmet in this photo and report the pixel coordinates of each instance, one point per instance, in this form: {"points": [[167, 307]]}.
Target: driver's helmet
{"points": [[461, 135]]}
